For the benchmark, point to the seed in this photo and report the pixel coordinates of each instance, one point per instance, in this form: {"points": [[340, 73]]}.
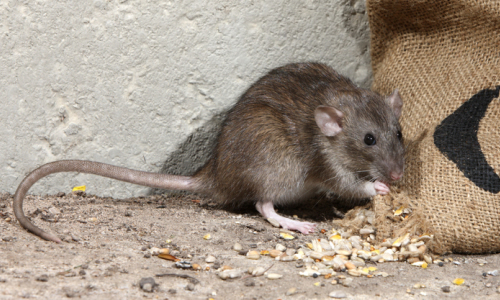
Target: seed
{"points": [[458, 281], [275, 253], [227, 274], [316, 255], [367, 230], [258, 271], [335, 237], [273, 222], [286, 235], [253, 255], [291, 291], [349, 265], [419, 264], [412, 260], [344, 252], [428, 259], [274, 276]]}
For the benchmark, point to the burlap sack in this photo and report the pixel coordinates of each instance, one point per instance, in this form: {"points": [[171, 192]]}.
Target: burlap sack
{"points": [[444, 57]]}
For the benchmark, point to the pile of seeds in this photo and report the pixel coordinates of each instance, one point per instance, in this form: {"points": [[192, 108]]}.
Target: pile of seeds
{"points": [[342, 251], [338, 253]]}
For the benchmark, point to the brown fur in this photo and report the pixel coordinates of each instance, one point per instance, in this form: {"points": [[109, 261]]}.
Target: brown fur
{"points": [[270, 146]]}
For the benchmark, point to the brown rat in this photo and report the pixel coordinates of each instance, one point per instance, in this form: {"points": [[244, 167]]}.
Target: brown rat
{"points": [[299, 129]]}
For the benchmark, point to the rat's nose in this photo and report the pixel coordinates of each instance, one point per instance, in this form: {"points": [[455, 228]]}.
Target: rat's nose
{"points": [[396, 175]]}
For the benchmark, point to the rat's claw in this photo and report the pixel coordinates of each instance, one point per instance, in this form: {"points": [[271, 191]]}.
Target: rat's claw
{"points": [[381, 188]]}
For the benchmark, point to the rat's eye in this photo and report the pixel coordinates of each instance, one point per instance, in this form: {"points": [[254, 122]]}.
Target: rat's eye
{"points": [[400, 135], [369, 139]]}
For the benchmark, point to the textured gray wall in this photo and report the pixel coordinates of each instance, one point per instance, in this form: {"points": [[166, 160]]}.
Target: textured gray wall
{"points": [[143, 85]]}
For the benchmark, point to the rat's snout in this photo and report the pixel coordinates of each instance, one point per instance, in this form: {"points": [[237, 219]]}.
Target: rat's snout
{"points": [[396, 175]]}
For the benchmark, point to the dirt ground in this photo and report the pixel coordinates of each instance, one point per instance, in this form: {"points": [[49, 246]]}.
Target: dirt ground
{"points": [[106, 246]]}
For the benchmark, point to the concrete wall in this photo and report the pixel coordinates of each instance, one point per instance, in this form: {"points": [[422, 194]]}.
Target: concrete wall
{"points": [[142, 84]]}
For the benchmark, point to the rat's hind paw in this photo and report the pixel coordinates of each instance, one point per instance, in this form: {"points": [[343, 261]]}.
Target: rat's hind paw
{"points": [[303, 227]]}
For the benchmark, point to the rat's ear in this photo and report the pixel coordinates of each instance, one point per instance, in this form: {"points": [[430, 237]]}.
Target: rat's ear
{"points": [[329, 120], [395, 102]]}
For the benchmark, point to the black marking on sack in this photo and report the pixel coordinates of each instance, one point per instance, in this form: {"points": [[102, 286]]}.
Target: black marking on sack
{"points": [[456, 138]]}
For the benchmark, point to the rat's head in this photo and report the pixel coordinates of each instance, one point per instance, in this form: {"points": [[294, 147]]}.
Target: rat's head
{"points": [[363, 129]]}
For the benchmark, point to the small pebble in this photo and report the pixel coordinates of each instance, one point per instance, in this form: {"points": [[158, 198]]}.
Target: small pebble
{"points": [[3, 280], [446, 288], [280, 247], [155, 251], [147, 284], [147, 255], [216, 265], [69, 292], [183, 265], [172, 291], [190, 287], [43, 278], [337, 294], [210, 259], [493, 273], [347, 282], [82, 273], [250, 282]]}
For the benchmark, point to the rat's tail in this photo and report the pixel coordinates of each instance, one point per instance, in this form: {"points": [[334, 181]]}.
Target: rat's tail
{"points": [[154, 180]]}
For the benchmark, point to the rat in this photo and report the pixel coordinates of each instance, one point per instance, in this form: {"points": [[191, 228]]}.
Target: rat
{"points": [[300, 129]]}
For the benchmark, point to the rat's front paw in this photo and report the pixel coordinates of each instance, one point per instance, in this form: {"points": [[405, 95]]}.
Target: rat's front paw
{"points": [[381, 188]]}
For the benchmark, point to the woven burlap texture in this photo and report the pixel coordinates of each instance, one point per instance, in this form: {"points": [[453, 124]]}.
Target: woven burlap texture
{"points": [[439, 54]]}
